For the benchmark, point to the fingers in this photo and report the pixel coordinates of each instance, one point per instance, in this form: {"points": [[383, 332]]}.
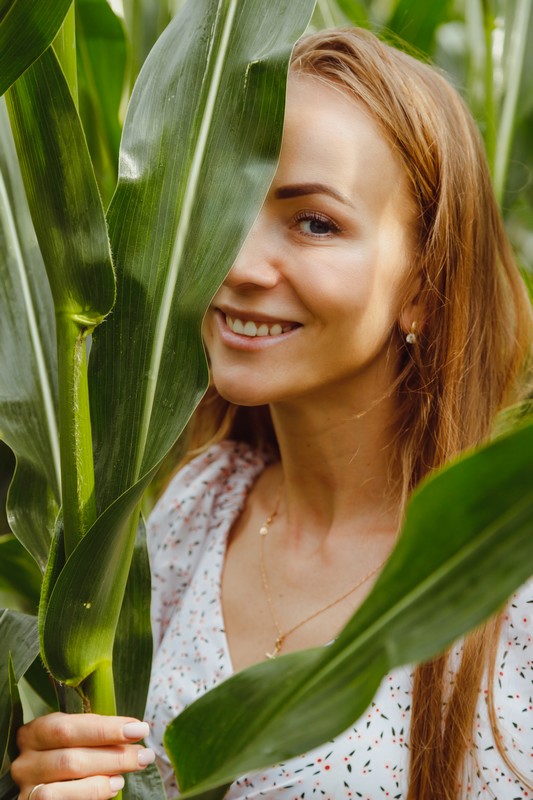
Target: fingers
{"points": [[80, 751], [79, 762], [98, 787], [79, 730]]}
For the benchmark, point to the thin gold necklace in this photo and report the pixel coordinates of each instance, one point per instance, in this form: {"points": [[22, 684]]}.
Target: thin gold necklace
{"points": [[282, 635]]}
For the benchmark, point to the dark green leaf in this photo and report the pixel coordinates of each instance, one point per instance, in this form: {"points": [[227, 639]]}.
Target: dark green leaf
{"points": [[479, 515], [19, 647], [19, 572], [132, 650], [8, 789], [145, 785], [27, 28]]}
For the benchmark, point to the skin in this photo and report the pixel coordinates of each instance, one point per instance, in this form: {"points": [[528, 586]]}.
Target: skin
{"points": [[329, 258]]}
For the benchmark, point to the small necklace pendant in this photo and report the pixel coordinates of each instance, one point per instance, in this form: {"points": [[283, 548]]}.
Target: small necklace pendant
{"points": [[277, 647]]}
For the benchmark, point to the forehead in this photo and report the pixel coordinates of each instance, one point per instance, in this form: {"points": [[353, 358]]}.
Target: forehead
{"points": [[330, 137]]}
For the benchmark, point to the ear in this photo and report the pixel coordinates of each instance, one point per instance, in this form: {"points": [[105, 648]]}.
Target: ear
{"points": [[412, 310]]}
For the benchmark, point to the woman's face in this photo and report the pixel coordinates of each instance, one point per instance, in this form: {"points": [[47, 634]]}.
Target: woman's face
{"points": [[309, 307]]}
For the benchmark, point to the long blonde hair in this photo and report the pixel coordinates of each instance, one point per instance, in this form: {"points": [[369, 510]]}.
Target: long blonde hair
{"points": [[471, 348]]}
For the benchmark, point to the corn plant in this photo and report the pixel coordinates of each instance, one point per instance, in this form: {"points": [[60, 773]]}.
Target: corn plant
{"points": [[129, 286]]}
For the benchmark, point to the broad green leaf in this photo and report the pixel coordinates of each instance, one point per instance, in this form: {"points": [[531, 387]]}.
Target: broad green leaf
{"points": [[19, 572], [27, 28], [199, 148], [132, 650], [28, 394], [70, 225], [478, 514], [101, 47], [19, 647]]}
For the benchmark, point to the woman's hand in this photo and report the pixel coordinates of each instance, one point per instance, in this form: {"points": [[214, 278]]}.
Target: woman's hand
{"points": [[78, 756]]}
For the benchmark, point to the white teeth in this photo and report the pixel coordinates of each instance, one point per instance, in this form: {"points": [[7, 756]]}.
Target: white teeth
{"points": [[251, 329]]}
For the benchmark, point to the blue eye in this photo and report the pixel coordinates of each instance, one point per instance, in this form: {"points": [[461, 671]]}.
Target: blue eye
{"points": [[316, 225]]}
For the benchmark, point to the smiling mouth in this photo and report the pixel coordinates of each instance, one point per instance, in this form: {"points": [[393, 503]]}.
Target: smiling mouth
{"points": [[251, 328]]}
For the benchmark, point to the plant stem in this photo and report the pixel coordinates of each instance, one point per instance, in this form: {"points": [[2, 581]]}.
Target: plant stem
{"points": [[77, 467], [517, 53], [99, 690]]}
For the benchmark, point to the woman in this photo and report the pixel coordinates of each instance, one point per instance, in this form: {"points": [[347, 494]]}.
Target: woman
{"points": [[371, 328]]}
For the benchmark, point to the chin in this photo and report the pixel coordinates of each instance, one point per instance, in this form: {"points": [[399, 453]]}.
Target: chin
{"points": [[240, 397]]}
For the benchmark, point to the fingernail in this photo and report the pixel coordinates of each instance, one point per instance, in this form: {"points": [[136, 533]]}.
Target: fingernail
{"points": [[116, 783], [136, 730], [145, 757]]}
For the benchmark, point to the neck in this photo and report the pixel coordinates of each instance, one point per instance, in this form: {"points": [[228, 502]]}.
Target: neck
{"points": [[335, 467]]}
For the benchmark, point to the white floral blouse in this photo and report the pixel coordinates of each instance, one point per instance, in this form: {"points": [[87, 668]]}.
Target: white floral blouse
{"points": [[187, 535]]}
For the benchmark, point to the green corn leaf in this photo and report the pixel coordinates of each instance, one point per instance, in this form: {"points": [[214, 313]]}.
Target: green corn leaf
{"points": [[17, 716], [62, 193], [19, 647], [145, 785], [19, 572], [145, 21], [27, 28], [199, 148], [479, 515], [28, 394], [132, 664], [101, 49]]}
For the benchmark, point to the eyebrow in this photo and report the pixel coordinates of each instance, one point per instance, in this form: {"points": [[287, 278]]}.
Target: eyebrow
{"points": [[299, 189]]}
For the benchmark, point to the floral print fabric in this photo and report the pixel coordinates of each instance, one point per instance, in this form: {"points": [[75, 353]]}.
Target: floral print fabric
{"points": [[187, 537]]}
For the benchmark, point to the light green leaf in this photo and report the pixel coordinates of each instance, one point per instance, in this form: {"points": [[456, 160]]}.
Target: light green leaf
{"points": [[145, 22], [28, 395], [199, 149], [62, 193], [479, 516], [27, 28]]}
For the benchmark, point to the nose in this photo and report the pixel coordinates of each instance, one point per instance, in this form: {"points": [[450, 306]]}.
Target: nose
{"points": [[258, 262]]}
